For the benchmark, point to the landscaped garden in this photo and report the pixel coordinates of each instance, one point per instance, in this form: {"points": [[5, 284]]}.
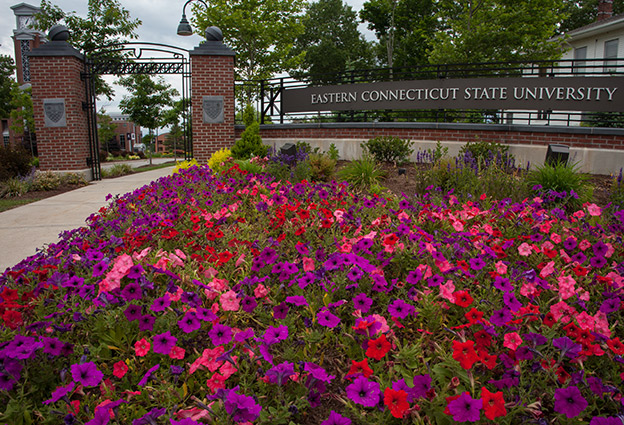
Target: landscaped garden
{"points": [[264, 291]]}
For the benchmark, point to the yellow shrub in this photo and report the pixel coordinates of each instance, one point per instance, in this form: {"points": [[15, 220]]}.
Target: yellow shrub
{"points": [[184, 165], [218, 158]]}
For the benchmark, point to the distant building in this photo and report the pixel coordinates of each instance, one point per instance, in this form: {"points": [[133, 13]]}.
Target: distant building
{"points": [[127, 134], [160, 143]]}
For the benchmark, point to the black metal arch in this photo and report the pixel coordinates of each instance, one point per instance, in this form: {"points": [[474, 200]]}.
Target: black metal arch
{"points": [[134, 58]]}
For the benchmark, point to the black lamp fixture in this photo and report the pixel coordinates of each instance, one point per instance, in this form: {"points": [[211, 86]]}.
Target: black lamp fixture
{"points": [[557, 154], [184, 28]]}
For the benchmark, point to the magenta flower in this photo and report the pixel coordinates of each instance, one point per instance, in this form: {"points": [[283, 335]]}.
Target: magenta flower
{"points": [[220, 334], [148, 375], [164, 342], [297, 300], [249, 303], [326, 318], [364, 392], [362, 302], [422, 384], [52, 346], [274, 335], [189, 323], [242, 408], [150, 417], [569, 401], [60, 392], [465, 408], [132, 291], [132, 312], [146, 323], [160, 304], [336, 419], [400, 309], [278, 374], [280, 311], [86, 374], [318, 372]]}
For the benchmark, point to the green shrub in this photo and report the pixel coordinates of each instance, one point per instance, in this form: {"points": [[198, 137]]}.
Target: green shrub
{"points": [[13, 163], [218, 160], [46, 181], [117, 170], [362, 174], [333, 152], [250, 167], [560, 184], [322, 167], [73, 179], [14, 187], [389, 149], [34, 162], [250, 143]]}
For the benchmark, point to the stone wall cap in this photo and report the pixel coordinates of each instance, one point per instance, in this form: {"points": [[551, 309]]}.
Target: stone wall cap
{"points": [[212, 48], [56, 48]]}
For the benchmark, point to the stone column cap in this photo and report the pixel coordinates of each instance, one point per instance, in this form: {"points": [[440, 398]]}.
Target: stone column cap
{"points": [[213, 46], [58, 45]]}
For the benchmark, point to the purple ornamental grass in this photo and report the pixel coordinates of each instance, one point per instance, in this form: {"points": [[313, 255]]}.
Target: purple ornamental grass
{"points": [[86, 374], [465, 408], [569, 401], [364, 392]]}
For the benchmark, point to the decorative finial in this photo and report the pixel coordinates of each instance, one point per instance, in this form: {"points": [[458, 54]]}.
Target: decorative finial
{"points": [[58, 33], [214, 34]]}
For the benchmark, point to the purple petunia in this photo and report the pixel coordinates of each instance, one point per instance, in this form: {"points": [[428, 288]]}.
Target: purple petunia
{"points": [[242, 408], [161, 303], [132, 291], [568, 347], [503, 284], [86, 374], [362, 302], [220, 334], [297, 300], [163, 343], [326, 318], [150, 417], [336, 419], [52, 346], [274, 335], [510, 300], [189, 323], [280, 311], [500, 317], [569, 401], [476, 263], [422, 384], [132, 312], [60, 392], [401, 309], [244, 335], [355, 274], [364, 392], [465, 408], [413, 277], [146, 322], [148, 375], [278, 374], [317, 372], [248, 304]]}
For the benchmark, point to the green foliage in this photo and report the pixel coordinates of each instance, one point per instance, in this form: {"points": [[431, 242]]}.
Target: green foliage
{"points": [[184, 165], [106, 23], [34, 162], [560, 184], [403, 28], [497, 31], [584, 12], [362, 174], [73, 179], [389, 149], [322, 167], [249, 166], [106, 128], [482, 150], [117, 170], [13, 163], [46, 181], [145, 105], [331, 42], [261, 33], [250, 143], [219, 158], [603, 119], [7, 82], [22, 115], [333, 153]]}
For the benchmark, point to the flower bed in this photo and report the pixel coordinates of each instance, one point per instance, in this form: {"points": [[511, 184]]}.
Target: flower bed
{"points": [[236, 299]]}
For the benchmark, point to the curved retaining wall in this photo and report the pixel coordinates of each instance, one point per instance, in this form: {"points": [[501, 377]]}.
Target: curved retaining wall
{"points": [[595, 150]]}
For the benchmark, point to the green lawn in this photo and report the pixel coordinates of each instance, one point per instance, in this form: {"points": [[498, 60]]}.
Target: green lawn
{"points": [[8, 203]]}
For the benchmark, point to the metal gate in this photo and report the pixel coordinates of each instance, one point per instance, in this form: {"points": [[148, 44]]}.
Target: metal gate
{"points": [[134, 58]]}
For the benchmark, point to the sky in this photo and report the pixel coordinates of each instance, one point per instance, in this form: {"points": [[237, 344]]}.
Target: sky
{"points": [[159, 18]]}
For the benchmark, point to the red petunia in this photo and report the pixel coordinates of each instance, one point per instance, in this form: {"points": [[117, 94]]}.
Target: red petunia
{"points": [[488, 360], [463, 298], [12, 319], [9, 294], [616, 346], [483, 339], [493, 404], [360, 367], [473, 316], [549, 319], [120, 369], [396, 400], [377, 348], [465, 353]]}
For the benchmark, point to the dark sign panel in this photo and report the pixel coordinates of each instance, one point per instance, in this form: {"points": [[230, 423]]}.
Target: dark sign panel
{"points": [[532, 93]]}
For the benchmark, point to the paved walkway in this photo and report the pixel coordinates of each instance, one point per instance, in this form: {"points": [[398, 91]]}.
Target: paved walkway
{"points": [[26, 228]]}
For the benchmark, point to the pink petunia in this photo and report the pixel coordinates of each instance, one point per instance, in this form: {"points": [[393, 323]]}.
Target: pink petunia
{"points": [[512, 340], [229, 301], [524, 249]]}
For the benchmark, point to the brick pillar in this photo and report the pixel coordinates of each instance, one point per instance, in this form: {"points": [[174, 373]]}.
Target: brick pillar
{"points": [[605, 9], [212, 95], [58, 94]]}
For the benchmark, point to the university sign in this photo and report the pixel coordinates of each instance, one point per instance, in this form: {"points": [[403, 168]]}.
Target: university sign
{"points": [[604, 94]]}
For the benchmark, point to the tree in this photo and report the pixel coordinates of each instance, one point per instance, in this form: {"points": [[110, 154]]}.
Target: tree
{"points": [[6, 84], [22, 116], [148, 99], [331, 42], [172, 117], [175, 139], [584, 12], [404, 29], [497, 31], [262, 34], [106, 128], [107, 23]]}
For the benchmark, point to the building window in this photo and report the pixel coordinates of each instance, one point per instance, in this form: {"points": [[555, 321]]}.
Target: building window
{"points": [[580, 55], [122, 142], [6, 140], [610, 54]]}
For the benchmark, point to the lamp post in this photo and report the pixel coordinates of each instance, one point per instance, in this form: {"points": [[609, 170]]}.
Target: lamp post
{"points": [[184, 28]]}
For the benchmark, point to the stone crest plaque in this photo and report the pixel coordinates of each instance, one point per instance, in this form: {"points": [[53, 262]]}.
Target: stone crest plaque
{"points": [[54, 112], [213, 109]]}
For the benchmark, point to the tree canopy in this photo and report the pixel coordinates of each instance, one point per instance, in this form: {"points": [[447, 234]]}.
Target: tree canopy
{"points": [[6, 84], [106, 23], [261, 32], [583, 12], [331, 42]]}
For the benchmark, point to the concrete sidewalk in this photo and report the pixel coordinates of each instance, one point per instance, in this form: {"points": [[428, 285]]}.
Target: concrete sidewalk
{"points": [[26, 228]]}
